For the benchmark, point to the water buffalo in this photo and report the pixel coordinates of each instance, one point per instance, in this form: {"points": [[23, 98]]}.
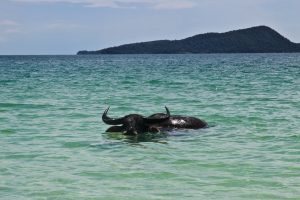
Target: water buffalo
{"points": [[178, 122], [134, 124]]}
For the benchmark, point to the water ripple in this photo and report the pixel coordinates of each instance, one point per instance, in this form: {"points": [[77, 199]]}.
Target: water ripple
{"points": [[53, 145]]}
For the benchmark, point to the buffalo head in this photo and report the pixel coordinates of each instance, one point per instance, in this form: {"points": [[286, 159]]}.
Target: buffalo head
{"points": [[133, 124]]}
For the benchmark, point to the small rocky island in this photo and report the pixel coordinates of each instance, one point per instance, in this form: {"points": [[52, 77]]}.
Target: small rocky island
{"points": [[259, 39]]}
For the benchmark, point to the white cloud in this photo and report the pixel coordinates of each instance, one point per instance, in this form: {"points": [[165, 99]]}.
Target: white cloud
{"points": [[154, 4], [62, 25], [175, 4], [7, 28], [7, 22]]}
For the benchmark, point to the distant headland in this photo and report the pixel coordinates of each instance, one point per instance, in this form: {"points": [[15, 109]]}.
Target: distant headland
{"points": [[258, 39]]}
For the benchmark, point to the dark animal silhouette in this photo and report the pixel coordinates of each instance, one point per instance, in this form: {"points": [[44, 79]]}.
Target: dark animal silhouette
{"points": [[178, 122], [134, 124]]}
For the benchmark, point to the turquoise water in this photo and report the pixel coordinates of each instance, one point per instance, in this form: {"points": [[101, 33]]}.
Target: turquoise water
{"points": [[53, 143]]}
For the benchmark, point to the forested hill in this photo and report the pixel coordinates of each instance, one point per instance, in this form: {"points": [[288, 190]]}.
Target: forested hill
{"points": [[259, 39]]}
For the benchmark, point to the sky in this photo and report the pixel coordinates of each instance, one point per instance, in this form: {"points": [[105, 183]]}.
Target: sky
{"points": [[36, 27]]}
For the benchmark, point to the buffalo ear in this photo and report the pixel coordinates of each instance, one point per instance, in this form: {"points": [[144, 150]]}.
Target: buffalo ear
{"points": [[115, 129], [111, 121], [154, 120]]}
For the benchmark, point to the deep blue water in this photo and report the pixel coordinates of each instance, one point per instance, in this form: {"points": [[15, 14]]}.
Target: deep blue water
{"points": [[53, 143]]}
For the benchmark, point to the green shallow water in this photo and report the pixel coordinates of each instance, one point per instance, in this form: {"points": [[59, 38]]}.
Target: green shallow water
{"points": [[53, 143]]}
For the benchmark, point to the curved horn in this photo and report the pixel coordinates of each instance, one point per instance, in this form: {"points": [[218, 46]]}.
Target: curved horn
{"points": [[111, 121], [153, 120]]}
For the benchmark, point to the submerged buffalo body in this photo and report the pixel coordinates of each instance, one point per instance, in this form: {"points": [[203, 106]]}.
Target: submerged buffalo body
{"points": [[134, 124], [178, 122]]}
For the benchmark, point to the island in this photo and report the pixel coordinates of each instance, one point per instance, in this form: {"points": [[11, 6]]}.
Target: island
{"points": [[258, 39]]}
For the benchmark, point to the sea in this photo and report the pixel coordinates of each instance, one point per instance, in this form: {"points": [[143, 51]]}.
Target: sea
{"points": [[53, 143]]}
